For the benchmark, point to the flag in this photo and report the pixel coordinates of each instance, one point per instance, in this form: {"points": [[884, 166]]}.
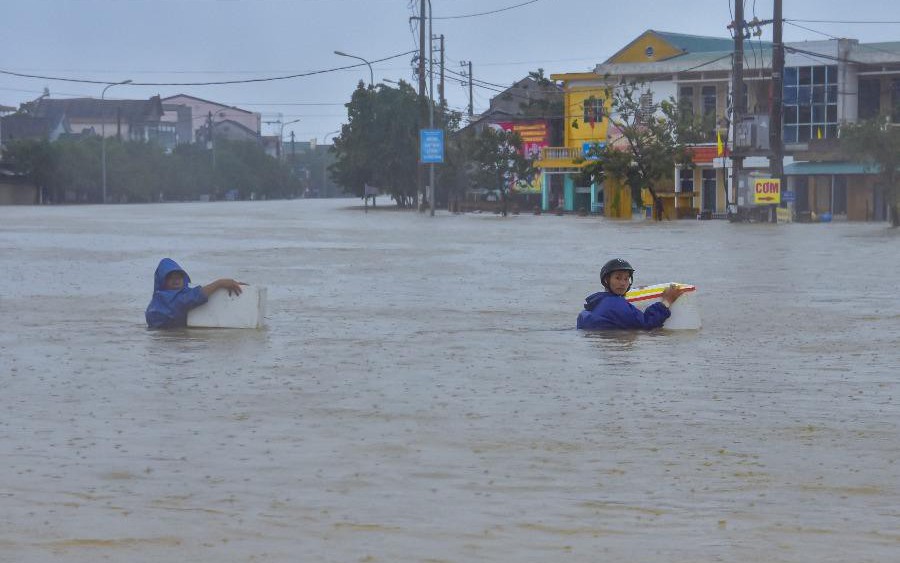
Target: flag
{"points": [[720, 148], [818, 132]]}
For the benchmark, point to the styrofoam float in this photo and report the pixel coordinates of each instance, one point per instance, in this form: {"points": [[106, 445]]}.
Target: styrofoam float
{"points": [[685, 314], [231, 311]]}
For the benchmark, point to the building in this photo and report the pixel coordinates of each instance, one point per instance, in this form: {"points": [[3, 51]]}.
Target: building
{"points": [[232, 122], [826, 83]]}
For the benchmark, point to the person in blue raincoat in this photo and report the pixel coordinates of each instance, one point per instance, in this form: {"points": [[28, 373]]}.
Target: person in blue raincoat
{"points": [[610, 310], [173, 297]]}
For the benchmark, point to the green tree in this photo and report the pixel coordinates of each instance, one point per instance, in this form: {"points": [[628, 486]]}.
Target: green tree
{"points": [[379, 144], [878, 141], [653, 136], [498, 162]]}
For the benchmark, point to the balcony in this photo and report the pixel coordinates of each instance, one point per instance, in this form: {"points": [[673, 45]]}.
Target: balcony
{"points": [[561, 153]]}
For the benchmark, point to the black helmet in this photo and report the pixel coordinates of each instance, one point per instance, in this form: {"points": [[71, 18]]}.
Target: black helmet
{"points": [[614, 265]]}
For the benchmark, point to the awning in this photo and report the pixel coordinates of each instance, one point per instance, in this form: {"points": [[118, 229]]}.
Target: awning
{"points": [[829, 168]]}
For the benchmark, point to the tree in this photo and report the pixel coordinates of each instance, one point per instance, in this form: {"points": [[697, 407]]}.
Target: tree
{"points": [[379, 144], [878, 141], [648, 140], [498, 162]]}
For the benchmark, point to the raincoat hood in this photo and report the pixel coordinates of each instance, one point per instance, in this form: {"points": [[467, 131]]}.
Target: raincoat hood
{"points": [[166, 267], [594, 299]]}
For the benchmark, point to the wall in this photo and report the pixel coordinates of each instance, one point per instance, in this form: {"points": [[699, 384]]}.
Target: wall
{"points": [[200, 110], [18, 194]]}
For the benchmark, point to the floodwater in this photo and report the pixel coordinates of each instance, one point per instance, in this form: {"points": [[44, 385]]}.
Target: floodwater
{"points": [[419, 393]]}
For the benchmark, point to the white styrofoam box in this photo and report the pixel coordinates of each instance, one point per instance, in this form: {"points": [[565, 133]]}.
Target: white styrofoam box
{"points": [[685, 313], [231, 311]]}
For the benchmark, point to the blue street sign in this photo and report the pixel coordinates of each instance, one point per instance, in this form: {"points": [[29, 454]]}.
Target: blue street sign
{"points": [[431, 146], [788, 196]]}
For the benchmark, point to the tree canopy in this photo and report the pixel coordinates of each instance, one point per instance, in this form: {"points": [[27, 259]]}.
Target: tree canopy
{"points": [[878, 141]]}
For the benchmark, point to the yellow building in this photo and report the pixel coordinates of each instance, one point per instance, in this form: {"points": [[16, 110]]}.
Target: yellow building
{"points": [[692, 70]]}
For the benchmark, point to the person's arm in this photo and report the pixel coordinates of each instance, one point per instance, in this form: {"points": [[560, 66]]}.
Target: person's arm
{"points": [[671, 294], [233, 287]]}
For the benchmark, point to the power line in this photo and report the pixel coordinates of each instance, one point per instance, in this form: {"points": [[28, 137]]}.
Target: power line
{"points": [[219, 83], [842, 21], [486, 13]]}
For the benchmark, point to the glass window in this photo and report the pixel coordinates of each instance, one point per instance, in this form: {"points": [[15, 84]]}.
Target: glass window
{"points": [[805, 114], [790, 115], [831, 94], [803, 133], [831, 73], [818, 113], [818, 75], [818, 94], [804, 95], [831, 131], [686, 177], [790, 95], [804, 76], [790, 133], [831, 113], [593, 110], [790, 76], [686, 100]]}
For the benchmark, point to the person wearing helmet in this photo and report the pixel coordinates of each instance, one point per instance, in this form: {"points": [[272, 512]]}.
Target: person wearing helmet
{"points": [[610, 310]]}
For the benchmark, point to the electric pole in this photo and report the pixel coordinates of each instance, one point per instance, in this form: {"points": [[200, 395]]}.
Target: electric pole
{"points": [[441, 85], [423, 107], [468, 75], [737, 100], [776, 143]]}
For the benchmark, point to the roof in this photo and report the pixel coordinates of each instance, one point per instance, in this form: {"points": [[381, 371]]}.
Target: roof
{"points": [[24, 127], [696, 43], [829, 168], [171, 98], [92, 108]]}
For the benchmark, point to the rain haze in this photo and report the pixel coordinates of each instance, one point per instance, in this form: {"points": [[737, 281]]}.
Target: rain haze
{"points": [[418, 392], [191, 41]]}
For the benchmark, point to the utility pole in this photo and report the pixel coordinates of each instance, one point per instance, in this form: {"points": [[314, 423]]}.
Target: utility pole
{"points": [[209, 140], [737, 99], [776, 142], [469, 76], [431, 103], [420, 171], [441, 85]]}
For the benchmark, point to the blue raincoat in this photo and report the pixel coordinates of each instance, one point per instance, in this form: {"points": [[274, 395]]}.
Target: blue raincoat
{"points": [[605, 310], [169, 308]]}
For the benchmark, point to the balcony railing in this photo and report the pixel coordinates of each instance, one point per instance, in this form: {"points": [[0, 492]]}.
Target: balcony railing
{"points": [[561, 153]]}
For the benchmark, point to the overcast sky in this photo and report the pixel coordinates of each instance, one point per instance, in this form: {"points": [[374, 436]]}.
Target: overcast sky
{"points": [[177, 41]]}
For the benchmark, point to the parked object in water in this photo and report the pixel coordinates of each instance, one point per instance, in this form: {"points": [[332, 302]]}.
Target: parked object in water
{"points": [[685, 313], [224, 310]]}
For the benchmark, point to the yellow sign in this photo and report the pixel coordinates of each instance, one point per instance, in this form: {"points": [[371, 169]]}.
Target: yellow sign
{"points": [[766, 191]]}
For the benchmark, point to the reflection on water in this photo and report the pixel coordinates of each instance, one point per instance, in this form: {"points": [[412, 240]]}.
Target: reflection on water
{"points": [[419, 391]]}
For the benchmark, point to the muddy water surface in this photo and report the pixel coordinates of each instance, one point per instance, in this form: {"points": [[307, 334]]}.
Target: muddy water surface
{"points": [[419, 393]]}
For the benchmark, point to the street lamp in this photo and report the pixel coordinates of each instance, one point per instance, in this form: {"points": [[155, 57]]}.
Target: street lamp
{"points": [[103, 133], [281, 135], [371, 74]]}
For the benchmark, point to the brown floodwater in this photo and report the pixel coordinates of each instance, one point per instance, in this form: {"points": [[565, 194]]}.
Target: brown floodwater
{"points": [[419, 392]]}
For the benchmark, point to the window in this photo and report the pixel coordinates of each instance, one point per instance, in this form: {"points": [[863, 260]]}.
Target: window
{"points": [[686, 101], [593, 110], [809, 103], [686, 179]]}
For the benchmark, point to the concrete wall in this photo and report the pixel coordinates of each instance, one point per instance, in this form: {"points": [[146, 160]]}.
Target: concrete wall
{"points": [[18, 194]]}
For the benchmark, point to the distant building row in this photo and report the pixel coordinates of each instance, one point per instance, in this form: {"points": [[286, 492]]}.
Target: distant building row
{"points": [[168, 121]]}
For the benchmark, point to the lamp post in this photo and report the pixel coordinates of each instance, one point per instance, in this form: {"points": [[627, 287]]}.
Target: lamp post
{"points": [[281, 136], [103, 134], [371, 74]]}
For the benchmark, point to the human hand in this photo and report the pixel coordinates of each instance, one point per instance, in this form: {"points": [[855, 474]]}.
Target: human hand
{"points": [[233, 286], [671, 294]]}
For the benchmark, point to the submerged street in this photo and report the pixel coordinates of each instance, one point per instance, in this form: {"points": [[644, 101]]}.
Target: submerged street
{"points": [[420, 393]]}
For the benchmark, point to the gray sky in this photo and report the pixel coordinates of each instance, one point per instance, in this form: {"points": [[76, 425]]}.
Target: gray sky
{"points": [[168, 41]]}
